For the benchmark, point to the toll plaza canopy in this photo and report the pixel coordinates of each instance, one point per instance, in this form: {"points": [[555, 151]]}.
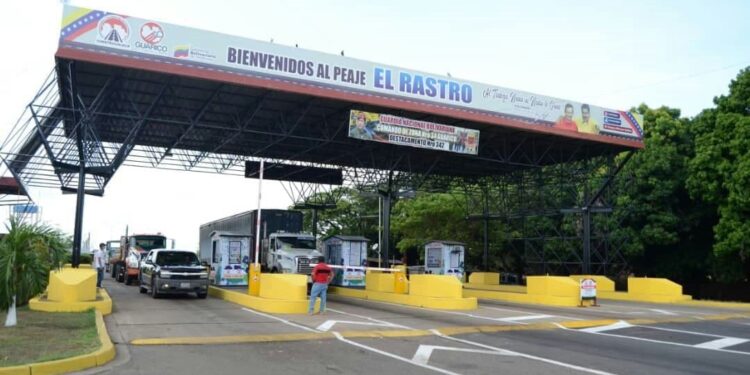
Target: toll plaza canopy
{"points": [[132, 82]]}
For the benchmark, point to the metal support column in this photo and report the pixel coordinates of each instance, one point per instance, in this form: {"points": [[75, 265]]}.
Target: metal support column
{"points": [[386, 227], [80, 193], [315, 223], [486, 224], [586, 213]]}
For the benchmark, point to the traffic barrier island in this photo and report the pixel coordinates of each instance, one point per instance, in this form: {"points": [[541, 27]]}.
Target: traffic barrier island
{"points": [[430, 291], [278, 294], [649, 289], [72, 290], [97, 358], [542, 290]]}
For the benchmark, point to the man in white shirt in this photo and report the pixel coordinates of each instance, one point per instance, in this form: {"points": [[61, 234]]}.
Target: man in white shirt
{"points": [[100, 263]]}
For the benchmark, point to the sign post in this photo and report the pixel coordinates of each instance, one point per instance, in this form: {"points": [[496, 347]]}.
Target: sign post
{"points": [[588, 291]]}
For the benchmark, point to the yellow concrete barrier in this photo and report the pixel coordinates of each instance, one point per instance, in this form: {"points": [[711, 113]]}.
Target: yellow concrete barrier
{"points": [[72, 285], [603, 283], [441, 286], [400, 282], [268, 305], [283, 286], [102, 303], [431, 291], [649, 289], [484, 278], [378, 281], [97, 358], [543, 290]]}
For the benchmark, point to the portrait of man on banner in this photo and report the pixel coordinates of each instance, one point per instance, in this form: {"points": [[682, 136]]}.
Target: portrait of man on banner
{"points": [[358, 126]]}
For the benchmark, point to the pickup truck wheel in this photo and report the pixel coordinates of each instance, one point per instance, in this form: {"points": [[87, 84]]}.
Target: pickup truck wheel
{"points": [[202, 295], [154, 292], [128, 279]]}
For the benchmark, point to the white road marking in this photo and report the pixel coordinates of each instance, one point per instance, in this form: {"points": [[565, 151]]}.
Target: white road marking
{"points": [[527, 356], [280, 320], [528, 312], [425, 351], [369, 318], [721, 343], [390, 355], [681, 331], [524, 317], [619, 325], [652, 340], [325, 327], [665, 312]]}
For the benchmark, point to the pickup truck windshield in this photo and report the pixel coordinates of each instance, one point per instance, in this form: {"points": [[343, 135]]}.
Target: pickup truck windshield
{"points": [[297, 243], [177, 258]]}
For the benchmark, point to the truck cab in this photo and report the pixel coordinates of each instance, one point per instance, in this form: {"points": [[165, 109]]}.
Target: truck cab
{"points": [[132, 250], [291, 253]]}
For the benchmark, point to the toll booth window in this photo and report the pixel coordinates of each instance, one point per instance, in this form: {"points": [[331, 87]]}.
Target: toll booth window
{"points": [[434, 257], [455, 258], [355, 253], [235, 253]]}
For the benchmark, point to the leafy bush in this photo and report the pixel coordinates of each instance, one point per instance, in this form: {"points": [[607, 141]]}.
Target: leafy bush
{"points": [[27, 254]]}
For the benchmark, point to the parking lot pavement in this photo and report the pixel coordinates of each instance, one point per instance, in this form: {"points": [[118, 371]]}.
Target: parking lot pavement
{"points": [[358, 336]]}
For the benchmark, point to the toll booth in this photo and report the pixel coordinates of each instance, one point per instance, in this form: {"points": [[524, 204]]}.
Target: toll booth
{"points": [[230, 258], [347, 251], [444, 258]]}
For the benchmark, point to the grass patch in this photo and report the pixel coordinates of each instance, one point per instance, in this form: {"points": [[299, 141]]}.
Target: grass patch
{"points": [[42, 336]]}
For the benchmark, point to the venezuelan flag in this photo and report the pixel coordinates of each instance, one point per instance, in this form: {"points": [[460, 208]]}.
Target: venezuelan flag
{"points": [[182, 51]]}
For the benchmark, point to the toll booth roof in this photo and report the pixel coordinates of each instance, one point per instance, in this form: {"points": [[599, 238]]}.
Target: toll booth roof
{"points": [[239, 96]]}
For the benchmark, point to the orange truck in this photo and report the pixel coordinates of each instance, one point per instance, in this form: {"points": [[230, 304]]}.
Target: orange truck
{"points": [[125, 261]]}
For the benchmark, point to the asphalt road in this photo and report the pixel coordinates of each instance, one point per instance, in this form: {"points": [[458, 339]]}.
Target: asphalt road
{"points": [[365, 337]]}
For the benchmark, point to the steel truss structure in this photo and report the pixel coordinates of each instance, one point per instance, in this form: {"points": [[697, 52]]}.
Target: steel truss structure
{"points": [[89, 119]]}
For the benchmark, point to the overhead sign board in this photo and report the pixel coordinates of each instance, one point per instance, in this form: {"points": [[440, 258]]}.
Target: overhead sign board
{"points": [[145, 40], [407, 132]]}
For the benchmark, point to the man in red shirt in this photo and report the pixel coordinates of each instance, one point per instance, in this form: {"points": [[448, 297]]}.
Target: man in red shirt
{"points": [[321, 276], [566, 120]]}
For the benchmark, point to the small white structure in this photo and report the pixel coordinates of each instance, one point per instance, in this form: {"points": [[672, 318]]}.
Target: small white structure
{"points": [[347, 251], [444, 258], [230, 257]]}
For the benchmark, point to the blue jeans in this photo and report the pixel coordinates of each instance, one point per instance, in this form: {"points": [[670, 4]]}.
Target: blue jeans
{"points": [[318, 289], [99, 277]]}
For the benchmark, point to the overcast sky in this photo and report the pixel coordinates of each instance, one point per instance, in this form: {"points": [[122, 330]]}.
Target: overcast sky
{"points": [[615, 54]]}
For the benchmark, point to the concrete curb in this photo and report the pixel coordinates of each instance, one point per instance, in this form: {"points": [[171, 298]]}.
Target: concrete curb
{"points": [[96, 358]]}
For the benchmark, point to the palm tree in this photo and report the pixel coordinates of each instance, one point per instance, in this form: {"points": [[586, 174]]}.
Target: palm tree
{"points": [[27, 254]]}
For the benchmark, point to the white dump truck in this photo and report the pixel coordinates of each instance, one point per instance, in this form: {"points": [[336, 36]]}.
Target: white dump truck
{"points": [[284, 248]]}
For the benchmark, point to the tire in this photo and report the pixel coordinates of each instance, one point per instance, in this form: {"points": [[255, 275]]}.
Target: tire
{"points": [[120, 274], [141, 288], [128, 279], [274, 270], [202, 295], [154, 292]]}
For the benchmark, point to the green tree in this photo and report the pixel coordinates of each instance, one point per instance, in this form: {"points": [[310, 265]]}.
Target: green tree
{"points": [[27, 254], [720, 175], [433, 216], [666, 232]]}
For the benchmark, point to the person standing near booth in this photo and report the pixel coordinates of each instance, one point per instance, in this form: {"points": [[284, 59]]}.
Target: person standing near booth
{"points": [[99, 263], [321, 277]]}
